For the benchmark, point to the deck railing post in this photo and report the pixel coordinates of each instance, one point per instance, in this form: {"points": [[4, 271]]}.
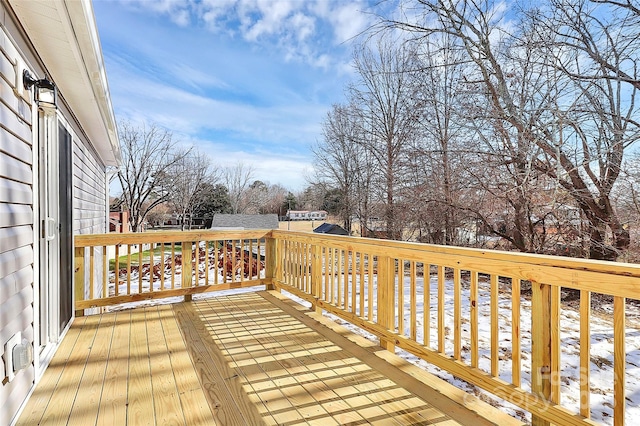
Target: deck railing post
{"points": [[187, 268], [78, 277], [316, 276], [271, 261], [385, 294], [541, 345]]}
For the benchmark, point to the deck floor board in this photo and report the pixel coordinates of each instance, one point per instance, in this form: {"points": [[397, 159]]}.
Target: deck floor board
{"points": [[85, 409], [39, 401], [167, 407], [113, 403], [235, 359], [66, 389], [140, 398]]}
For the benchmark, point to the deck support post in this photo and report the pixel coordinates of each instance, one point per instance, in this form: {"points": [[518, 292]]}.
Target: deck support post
{"points": [[187, 268], [316, 277], [541, 345], [78, 277], [272, 253], [386, 300]]}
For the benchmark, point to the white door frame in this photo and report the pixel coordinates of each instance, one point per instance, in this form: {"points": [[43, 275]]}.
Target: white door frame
{"points": [[49, 273]]}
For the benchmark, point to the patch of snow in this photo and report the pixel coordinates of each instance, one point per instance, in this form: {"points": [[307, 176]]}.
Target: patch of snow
{"points": [[601, 330]]}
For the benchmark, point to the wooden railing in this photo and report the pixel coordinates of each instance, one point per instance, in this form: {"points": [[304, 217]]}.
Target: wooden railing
{"points": [[152, 265], [491, 318], [380, 286]]}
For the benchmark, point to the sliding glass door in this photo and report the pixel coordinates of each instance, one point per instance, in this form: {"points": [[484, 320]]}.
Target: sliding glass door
{"points": [[55, 150]]}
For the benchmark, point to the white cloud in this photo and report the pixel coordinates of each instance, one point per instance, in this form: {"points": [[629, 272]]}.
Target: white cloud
{"points": [[292, 26], [214, 13], [288, 170], [349, 21], [177, 10], [187, 112], [181, 17], [194, 77], [323, 61], [303, 24], [236, 100], [272, 17]]}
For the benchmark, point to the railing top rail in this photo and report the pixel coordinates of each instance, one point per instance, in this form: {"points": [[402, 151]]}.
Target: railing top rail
{"points": [[90, 240], [612, 278], [616, 268]]}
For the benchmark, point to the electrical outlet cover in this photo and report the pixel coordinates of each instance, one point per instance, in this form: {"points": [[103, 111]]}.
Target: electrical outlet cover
{"points": [[8, 355], [22, 355]]}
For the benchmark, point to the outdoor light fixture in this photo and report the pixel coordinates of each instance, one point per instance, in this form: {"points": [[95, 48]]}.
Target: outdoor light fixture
{"points": [[46, 92]]}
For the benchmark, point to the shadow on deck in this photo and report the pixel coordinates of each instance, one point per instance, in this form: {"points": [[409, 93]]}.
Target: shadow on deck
{"points": [[243, 359]]}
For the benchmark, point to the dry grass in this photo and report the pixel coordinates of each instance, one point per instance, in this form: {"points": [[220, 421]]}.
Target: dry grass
{"points": [[300, 225], [310, 225]]}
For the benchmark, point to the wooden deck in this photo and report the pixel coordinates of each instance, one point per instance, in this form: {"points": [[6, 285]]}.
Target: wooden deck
{"points": [[244, 359]]}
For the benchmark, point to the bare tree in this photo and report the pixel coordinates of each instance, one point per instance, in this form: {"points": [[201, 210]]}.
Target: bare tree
{"points": [[627, 201], [263, 198], [337, 158], [363, 189], [188, 174], [312, 197], [255, 197], [148, 153], [384, 98], [276, 195], [606, 31], [556, 120], [435, 194], [598, 49], [624, 4], [237, 179]]}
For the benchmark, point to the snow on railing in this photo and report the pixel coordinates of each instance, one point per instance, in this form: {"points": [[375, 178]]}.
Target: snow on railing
{"points": [[495, 319]]}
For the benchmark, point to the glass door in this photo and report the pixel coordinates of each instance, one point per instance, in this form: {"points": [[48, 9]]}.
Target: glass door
{"points": [[65, 227], [56, 231]]}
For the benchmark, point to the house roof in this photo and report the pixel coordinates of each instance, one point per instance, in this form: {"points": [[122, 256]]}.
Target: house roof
{"points": [[329, 228], [244, 221], [65, 36]]}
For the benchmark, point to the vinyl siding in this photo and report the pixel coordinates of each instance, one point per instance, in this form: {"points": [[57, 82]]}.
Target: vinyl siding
{"points": [[16, 226], [18, 201], [89, 202], [89, 190]]}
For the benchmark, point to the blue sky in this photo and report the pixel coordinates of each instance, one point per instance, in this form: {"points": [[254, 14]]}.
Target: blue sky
{"points": [[245, 80]]}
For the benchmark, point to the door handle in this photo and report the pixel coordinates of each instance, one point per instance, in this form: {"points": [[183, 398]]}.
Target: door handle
{"points": [[50, 229]]}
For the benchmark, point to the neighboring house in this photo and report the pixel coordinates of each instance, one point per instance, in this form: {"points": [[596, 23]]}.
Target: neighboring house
{"points": [[119, 222], [329, 228], [244, 221], [174, 221], [306, 215], [53, 183]]}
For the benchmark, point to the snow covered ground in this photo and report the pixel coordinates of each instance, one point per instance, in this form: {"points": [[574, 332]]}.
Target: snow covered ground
{"points": [[601, 372], [601, 343]]}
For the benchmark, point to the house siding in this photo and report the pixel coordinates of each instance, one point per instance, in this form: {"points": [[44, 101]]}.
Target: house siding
{"points": [[89, 202], [20, 157], [89, 190], [16, 221]]}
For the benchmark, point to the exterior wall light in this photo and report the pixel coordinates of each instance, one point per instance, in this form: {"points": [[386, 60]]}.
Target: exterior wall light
{"points": [[46, 93]]}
